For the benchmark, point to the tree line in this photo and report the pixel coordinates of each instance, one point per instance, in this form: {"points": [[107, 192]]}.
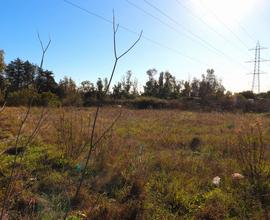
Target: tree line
{"points": [[21, 81]]}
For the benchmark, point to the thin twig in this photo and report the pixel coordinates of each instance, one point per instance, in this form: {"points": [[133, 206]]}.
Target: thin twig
{"points": [[92, 143], [10, 179], [44, 49], [31, 137]]}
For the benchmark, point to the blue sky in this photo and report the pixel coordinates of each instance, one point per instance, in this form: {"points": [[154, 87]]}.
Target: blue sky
{"points": [[202, 34]]}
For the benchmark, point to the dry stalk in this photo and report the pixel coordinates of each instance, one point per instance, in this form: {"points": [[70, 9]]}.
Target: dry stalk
{"points": [[92, 144], [13, 173]]}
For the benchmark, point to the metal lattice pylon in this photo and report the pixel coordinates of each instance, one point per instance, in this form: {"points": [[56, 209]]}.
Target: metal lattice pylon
{"points": [[256, 82]]}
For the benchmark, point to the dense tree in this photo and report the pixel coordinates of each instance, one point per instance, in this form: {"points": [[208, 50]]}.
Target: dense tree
{"points": [[87, 88], [2, 68], [248, 94], [22, 80], [151, 86], [100, 88], [68, 92], [167, 87], [88, 92], [210, 86], [117, 91], [45, 82], [195, 87], [126, 88], [20, 74], [135, 91], [186, 92], [2, 61], [127, 84]]}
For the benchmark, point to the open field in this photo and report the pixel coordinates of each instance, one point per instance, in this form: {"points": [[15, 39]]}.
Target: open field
{"points": [[152, 164]]}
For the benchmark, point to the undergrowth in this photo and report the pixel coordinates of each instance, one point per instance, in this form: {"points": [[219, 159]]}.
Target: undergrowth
{"points": [[151, 165]]}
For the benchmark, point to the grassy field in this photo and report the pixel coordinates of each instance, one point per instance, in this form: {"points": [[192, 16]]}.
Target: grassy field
{"points": [[152, 164]]}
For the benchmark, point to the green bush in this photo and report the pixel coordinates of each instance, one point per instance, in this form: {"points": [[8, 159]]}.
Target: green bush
{"points": [[72, 99], [167, 197], [217, 205], [147, 102], [48, 99], [22, 97]]}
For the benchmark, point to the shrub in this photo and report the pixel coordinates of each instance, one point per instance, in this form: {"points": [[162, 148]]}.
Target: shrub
{"points": [[22, 97], [51, 184], [72, 99], [195, 144], [217, 205], [166, 197], [146, 102], [251, 154], [48, 99]]}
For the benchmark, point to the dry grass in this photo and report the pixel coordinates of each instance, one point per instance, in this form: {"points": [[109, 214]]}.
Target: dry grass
{"points": [[144, 168]]}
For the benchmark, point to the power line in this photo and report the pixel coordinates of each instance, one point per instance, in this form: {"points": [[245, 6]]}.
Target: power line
{"points": [[177, 23], [193, 34], [252, 38], [156, 18], [224, 24], [202, 21], [161, 21], [134, 32]]}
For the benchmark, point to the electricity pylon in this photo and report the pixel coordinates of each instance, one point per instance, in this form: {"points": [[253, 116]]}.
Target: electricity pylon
{"points": [[257, 67]]}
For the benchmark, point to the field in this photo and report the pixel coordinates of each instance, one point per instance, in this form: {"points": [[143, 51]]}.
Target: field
{"points": [[152, 164]]}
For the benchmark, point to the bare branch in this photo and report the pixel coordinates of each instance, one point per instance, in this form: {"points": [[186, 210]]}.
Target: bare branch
{"points": [[10, 179], [104, 133], [40, 41], [108, 129], [12, 175], [117, 28], [92, 143], [37, 127], [44, 49], [114, 37], [129, 49]]}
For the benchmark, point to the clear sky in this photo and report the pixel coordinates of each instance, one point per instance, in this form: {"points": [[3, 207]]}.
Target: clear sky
{"points": [[184, 37]]}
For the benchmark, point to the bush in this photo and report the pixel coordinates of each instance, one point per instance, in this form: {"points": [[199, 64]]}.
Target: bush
{"points": [[22, 97], [217, 205], [72, 99], [252, 157], [147, 102], [48, 99]]}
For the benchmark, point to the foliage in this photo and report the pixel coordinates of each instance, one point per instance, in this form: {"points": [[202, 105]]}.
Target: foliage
{"points": [[20, 75], [251, 154], [161, 90], [147, 102], [2, 62], [22, 97]]}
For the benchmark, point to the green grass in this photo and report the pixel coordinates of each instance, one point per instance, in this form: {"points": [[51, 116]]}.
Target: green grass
{"points": [[143, 169]]}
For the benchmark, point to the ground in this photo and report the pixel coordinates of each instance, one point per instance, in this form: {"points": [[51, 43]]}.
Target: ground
{"points": [[152, 164]]}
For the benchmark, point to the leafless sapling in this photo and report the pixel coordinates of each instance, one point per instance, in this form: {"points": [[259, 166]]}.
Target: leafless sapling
{"points": [[13, 173], [92, 144]]}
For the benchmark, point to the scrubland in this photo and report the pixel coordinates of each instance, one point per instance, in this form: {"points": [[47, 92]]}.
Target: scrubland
{"points": [[152, 164]]}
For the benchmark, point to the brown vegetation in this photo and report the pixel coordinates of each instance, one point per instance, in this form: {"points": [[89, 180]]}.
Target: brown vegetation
{"points": [[151, 164]]}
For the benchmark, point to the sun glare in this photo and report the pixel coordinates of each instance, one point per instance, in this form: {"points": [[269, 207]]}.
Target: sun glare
{"points": [[229, 11]]}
